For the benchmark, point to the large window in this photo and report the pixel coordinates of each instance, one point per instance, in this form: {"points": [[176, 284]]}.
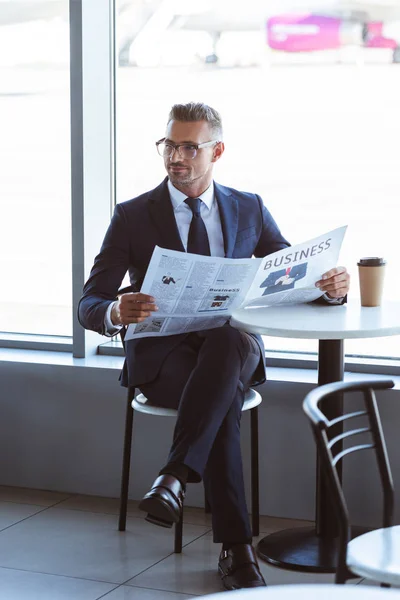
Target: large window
{"points": [[35, 257], [314, 133], [310, 108]]}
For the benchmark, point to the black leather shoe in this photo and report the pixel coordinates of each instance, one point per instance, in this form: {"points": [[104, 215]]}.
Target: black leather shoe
{"points": [[239, 568], [164, 502]]}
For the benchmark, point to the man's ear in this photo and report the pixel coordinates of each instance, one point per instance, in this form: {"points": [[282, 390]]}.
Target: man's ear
{"points": [[218, 151]]}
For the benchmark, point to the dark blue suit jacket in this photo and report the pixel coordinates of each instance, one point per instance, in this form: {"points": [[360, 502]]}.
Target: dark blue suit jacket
{"points": [[139, 225]]}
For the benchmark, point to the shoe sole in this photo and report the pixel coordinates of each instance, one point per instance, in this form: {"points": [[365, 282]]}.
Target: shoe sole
{"points": [[159, 512], [159, 522], [223, 578]]}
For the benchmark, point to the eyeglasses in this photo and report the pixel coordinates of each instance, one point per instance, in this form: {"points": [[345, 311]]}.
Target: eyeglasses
{"points": [[185, 151]]}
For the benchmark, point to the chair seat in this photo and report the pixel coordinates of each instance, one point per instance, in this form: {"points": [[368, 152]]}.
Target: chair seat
{"points": [[376, 555], [140, 403]]}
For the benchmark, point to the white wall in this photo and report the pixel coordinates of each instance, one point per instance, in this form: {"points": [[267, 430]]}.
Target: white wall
{"points": [[62, 429]]}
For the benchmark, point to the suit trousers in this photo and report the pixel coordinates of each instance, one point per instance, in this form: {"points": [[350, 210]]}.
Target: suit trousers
{"points": [[205, 378]]}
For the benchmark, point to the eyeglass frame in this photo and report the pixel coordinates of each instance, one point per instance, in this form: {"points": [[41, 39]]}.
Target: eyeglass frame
{"points": [[176, 147]]}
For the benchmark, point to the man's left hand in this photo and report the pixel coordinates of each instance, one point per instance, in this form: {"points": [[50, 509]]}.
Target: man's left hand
{"points": [[335, 283]]}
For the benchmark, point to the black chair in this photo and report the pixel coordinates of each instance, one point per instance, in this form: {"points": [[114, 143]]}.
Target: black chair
{"points": [[373, 554], [139, 404]]}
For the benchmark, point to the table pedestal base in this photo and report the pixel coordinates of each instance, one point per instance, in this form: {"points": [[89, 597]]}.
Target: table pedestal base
{"points": [[301, 549]]}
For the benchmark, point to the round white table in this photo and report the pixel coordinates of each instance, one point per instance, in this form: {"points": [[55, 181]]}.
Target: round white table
{"points": [[313, 549], [311, 592]]}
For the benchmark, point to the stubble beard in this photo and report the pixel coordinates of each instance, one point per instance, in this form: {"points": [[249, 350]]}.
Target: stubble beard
{"points": [[184, 179]]}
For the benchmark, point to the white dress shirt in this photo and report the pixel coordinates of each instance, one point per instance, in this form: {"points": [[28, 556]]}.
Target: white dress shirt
{"points": [[209, 213]]}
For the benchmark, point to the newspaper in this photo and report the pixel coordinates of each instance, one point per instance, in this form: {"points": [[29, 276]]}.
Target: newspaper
{"points": [[195, 292]]}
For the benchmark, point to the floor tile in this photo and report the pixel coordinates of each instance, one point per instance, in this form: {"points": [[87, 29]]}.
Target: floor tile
{"points": [[192, 572], [22, 585], [97, 504], [133, 593], [11, 512], [87, 545], [195, 571], [74, 550], [28, 496]]}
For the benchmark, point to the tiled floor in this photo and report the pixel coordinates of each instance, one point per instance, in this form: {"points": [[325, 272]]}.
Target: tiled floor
{"points": [[62, 547]]}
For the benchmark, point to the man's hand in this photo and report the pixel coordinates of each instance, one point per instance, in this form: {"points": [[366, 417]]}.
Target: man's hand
{"points": [[335, 283], [132, 308]]}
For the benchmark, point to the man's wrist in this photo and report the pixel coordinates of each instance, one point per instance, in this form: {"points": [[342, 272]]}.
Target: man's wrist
{"points": [[114, 314], [109, 328], [332, 300]]}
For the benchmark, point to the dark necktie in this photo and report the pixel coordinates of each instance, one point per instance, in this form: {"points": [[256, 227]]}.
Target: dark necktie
{"points": [[198, 239]]}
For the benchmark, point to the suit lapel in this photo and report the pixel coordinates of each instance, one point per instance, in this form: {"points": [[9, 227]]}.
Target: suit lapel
{"points": [[229, 215], [162, 214]]}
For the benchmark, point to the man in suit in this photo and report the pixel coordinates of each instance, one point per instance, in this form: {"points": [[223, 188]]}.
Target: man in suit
{"points": [[203, 374]]}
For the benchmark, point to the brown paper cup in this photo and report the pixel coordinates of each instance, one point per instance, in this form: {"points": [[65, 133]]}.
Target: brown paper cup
{"points": [[371, 273]]}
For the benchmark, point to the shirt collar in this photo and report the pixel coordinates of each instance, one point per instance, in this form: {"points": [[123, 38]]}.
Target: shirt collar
{"points": [[178, 197]]}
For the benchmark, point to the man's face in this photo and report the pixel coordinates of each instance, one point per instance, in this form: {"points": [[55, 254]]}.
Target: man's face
{"points": [[195, 172]]}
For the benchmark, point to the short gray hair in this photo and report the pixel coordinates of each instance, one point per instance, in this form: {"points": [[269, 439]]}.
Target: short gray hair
{"points": [[197, 111]]}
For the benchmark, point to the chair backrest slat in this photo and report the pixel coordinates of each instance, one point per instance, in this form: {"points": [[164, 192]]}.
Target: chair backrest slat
{"points": [[349, 451], [353, 415], [347, 434]]}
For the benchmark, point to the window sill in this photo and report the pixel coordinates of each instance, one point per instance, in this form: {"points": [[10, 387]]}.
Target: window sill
{"points": [[276, 373], [47, 357], [292, 360], [36, 342]]}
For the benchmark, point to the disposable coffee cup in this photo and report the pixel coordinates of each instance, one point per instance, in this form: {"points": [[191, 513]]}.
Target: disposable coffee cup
{"points": [[371, 272]]}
